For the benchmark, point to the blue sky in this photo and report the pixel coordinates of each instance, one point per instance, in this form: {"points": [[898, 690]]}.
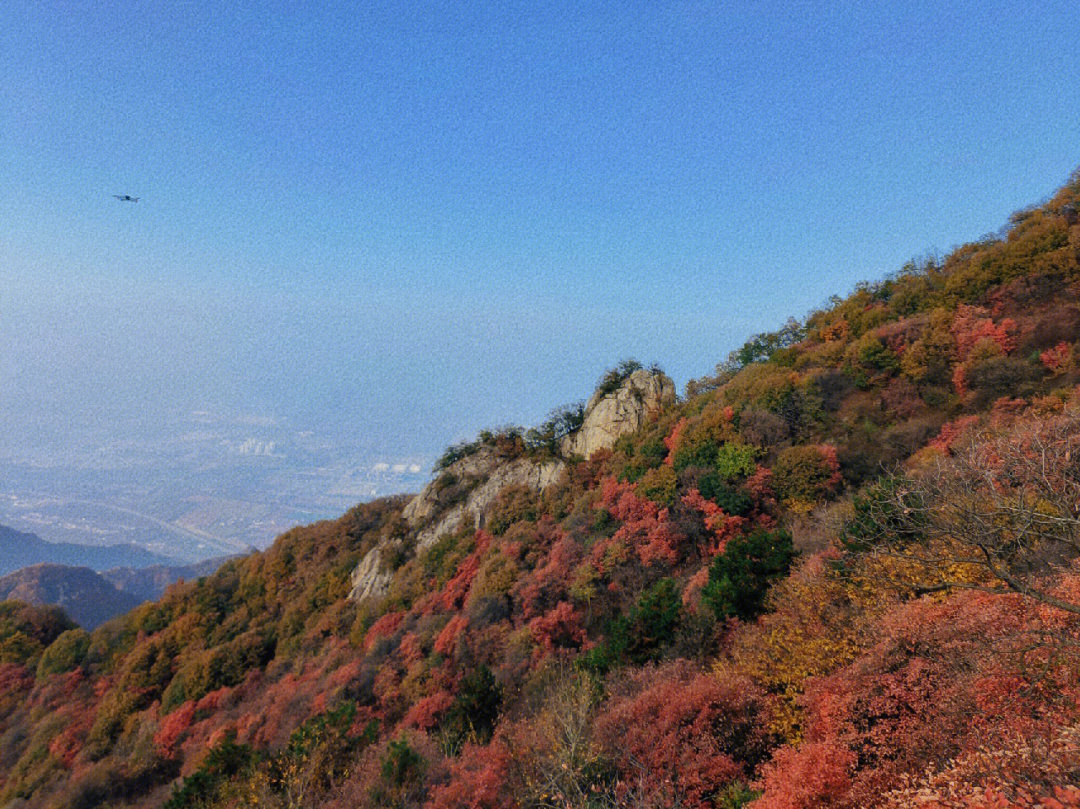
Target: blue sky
{"points": [[402, 222]]}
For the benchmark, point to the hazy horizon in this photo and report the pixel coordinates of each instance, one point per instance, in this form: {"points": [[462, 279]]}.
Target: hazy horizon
{"points": [[372, 232]]}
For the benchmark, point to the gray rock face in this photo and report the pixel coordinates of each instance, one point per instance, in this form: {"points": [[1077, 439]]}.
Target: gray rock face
{"points": [[467, 489], [441, 507], [436, 497], [623, 411], [369, 579], [520, 472]]}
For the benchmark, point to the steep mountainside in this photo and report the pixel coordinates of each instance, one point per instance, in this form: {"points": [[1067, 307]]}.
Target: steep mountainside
{"points": [[840, 572]]}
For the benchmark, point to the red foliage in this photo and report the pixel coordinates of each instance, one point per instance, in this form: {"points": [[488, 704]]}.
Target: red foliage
{"points": [[173, 727], [345, 673], [759, 485], [691, 594], [945, 678], [645, 526], [899, 335], [722, 525], [546, 585], [477, 780], [959, 380], [447, 639], [814, 776], [832, 464], [674, 440], [425, 713], [952, 432], [559, 628], [65, 746], [384, 627], [455, 591], [678, 735], [212, 701], [972, 324], [1054, 358], [409, 650]]}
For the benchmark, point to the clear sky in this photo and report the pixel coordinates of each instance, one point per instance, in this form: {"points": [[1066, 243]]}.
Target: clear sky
{"points": [[402, 222]]}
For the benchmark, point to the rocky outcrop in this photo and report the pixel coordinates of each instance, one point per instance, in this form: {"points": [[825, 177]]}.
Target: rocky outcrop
{"points": [[446, 490], [371, 578], [521, 472], [611, 415], [466, 490]]}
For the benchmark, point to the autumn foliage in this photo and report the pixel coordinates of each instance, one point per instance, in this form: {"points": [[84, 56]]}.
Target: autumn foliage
{"points": [[841, 572]]}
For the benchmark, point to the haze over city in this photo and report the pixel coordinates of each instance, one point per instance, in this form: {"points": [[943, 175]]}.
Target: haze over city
{"points": [[362, 234]]}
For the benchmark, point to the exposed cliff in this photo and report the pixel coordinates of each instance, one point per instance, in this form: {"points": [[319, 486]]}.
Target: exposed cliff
{"points": [[466, 489], [611, 415]]}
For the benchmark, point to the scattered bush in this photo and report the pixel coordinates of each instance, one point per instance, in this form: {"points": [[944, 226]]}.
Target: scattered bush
{"points": [[740, 576]]}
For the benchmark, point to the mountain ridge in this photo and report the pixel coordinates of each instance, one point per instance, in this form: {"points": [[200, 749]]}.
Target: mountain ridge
{"points": [[20, 549], [779, 591]]}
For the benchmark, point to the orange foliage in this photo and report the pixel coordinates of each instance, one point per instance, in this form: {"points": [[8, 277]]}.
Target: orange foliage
{"points": [[383, 628], [1053, 359], [424, 714], [678, 735], [722, 525], [447, 638], [674, 440], [952, 432], [457, 588], [477, 780], [814, 776], [645, 526], [971, 324], [560, 627]]}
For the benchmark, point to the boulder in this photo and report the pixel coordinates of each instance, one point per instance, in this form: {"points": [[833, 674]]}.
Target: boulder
{"points": [[609, 416]]}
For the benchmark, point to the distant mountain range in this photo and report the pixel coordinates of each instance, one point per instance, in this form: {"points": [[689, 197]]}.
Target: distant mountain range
{"points": [[149, 583], [91, 584], [88, 598], [18, 550]]}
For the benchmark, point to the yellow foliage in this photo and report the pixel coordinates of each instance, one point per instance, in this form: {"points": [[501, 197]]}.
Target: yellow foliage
{"points": [[818, 626], [497, 574]]}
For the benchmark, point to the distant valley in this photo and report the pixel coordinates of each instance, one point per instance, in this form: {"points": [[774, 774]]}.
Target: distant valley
{"points": [[201, 487]]}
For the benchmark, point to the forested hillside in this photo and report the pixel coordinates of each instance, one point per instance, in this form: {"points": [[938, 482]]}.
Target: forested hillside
{"points": [[841, 571]]}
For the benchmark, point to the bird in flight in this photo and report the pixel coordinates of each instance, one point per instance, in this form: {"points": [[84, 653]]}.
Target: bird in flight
{"points": [[126, 198]]}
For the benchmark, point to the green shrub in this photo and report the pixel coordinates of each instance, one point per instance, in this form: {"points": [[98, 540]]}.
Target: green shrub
{"points": [[475, 710], [735, 461], [66, 653], [612, 380], [639, 635], [224, 759], [730, 500], [402, 765], [740, 576], [701, 454]]}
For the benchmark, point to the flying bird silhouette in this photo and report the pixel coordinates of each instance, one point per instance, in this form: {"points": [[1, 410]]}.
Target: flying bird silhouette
{"points": [[126, 198]]}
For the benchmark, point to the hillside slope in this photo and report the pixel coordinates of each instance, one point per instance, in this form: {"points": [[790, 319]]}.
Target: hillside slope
{"points": [[840, 572]]}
